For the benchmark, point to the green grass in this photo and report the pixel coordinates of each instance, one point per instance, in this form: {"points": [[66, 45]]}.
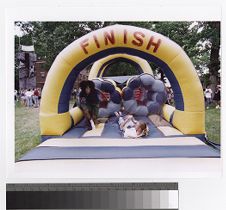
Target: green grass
{"points": [[27, 131], [213, 124], [27, 134]]}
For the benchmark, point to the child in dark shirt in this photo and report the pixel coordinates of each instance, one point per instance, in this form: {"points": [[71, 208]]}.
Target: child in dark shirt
{"points": [[89, 102]]}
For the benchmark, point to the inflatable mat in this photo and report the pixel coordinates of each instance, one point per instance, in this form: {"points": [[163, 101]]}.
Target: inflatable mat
{"points": [[100, 149], [109, 129]]}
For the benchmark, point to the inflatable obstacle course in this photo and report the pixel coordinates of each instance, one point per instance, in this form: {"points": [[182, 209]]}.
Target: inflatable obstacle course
{"points": [[99, 67], [118, 39], [109, 97], [54, 149], [142, 96]]}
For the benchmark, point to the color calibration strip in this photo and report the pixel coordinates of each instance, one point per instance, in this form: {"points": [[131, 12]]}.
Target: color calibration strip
{"points": [[93, 196]]}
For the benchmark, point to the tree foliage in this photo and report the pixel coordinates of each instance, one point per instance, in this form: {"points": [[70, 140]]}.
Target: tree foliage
{"points": [[200, 40], [120, 69]]}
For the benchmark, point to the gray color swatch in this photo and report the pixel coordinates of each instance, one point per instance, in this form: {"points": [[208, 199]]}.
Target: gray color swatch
{"points": [[98, 196]]}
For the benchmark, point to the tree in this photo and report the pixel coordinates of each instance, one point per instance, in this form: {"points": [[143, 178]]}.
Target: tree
{"points": [[50, 38], [200, 40], [120, 69], [26, 40], [213, 30]]}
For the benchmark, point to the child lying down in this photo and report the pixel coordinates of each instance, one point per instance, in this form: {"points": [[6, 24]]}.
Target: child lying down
{"points": [[132, 128]]}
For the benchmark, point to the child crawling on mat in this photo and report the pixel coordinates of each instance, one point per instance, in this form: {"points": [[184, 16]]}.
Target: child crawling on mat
{"points": [[89, 102], [131, 127]]}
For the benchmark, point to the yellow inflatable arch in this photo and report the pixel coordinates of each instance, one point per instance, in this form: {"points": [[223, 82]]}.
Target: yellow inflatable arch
{"points": [[188, 115], [99, 67]]}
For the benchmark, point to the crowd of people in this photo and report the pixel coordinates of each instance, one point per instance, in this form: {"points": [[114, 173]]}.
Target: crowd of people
{"points": [[170, 96], [212, 98], [28, 97]]}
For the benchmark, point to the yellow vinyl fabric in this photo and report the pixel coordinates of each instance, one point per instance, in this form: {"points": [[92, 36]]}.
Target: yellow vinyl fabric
{"points": [[189, 115], [76, 114], [167, 111], [98, 70]]}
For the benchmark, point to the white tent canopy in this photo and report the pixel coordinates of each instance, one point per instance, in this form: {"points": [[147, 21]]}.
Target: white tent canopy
{"points": [[27, 48]]}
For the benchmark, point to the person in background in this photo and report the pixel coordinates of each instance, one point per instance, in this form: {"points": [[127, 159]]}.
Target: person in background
{"points": [[35, 98], [32, 97], [40, 93], [217, 97], [169, 95], [23, 99], [74, 94], [18, 96], [28, 95], [89, 102], [15, 95], [208, 95]]}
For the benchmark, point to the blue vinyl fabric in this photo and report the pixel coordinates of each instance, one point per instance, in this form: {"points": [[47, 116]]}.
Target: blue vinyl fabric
{"points": [[111, 130], [75, 132], [53, 153], [63, 105]]}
